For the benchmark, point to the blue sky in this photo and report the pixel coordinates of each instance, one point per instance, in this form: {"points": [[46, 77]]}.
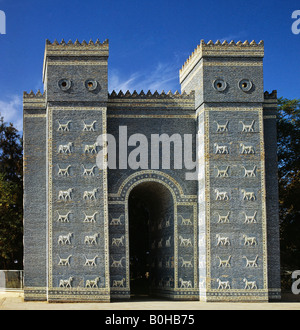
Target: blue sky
{"points": [[149, 40]]}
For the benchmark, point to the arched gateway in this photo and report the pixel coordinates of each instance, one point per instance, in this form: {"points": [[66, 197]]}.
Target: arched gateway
{"points": [[153, 202], [151, 193]]}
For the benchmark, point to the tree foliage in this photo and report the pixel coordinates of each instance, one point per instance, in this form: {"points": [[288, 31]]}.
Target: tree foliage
{"points": [[11, 197], [288, 127]]}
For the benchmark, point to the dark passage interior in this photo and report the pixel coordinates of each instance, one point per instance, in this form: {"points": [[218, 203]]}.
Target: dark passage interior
{"points": [[150, 206]]}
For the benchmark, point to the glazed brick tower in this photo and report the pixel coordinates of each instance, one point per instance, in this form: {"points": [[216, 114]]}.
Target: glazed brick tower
{"points": [[235, 194]]}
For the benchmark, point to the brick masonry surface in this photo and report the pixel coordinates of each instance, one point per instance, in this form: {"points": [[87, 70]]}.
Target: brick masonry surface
{"points": [[214, 238]]}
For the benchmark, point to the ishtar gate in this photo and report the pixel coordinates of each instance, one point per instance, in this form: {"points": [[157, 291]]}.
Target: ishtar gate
{"points": [[101, 233]]}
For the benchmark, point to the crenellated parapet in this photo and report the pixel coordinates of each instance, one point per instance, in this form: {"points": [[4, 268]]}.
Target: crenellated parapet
{"points": [[272, 95], [77, 48], [31, 95], [70, 43], [151, 100], [150, 95], [270, 104], [34, 101]]}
